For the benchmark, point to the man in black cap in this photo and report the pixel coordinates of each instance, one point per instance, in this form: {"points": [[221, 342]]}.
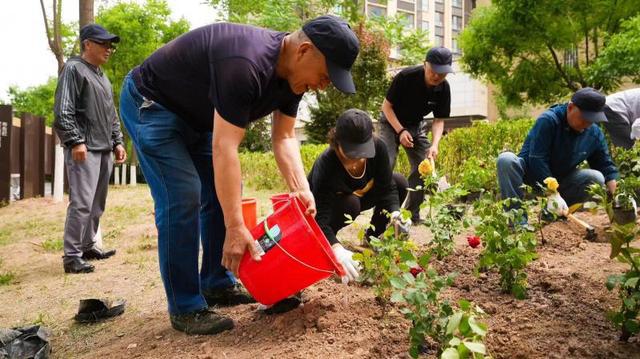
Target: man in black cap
{"points": [[561, 139], [352, 176], [89, 128], [186, 108], [415, 93]]}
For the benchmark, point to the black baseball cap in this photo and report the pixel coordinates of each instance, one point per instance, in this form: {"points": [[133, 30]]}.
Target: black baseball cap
{"points": [[591, 104], [339, 45], [97, 32], [354, 133], [440, 59]]}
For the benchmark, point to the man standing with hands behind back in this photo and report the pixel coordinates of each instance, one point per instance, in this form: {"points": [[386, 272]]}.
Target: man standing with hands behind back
{"points": [[87, 124], [414, 93]]}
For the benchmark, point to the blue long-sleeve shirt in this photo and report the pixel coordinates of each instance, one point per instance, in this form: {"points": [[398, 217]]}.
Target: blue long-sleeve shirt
{"points": [[553, 149]]}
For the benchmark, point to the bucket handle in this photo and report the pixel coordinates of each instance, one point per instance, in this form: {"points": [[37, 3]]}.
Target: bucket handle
{"points": [[271, 238]]}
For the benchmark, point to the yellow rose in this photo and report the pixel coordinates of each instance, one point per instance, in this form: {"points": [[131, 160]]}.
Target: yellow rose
{"points": [[552, 184], [425, 168]]}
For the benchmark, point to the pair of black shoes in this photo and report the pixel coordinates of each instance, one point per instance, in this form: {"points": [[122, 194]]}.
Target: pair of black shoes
{"points": [[208, 322], [80, 265]]}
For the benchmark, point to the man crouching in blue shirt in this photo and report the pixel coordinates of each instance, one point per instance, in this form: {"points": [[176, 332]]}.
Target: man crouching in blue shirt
{"points": [[561, 139]]}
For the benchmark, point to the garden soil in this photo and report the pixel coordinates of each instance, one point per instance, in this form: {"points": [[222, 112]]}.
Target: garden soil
{"points": [[564, 315]]}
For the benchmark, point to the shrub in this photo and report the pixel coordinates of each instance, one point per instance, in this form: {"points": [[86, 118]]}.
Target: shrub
{"points": [[480, 143]]}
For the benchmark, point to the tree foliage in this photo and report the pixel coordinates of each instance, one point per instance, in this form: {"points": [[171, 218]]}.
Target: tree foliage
{"points": [[369, 75], [142, 29], [539, 51], [621, 58], [37, 100]]}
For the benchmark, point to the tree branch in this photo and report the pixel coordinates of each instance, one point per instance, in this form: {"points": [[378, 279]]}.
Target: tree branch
{"points": [[560, 70], [46, 25]]}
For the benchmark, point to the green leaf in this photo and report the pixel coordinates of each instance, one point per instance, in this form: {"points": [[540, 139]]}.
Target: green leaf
{"points": [[454, 321], [449, 353], [476, 347], [631, 282], [476, 327], [454, 342], [464, 304], [398, 282], [397, 297]]}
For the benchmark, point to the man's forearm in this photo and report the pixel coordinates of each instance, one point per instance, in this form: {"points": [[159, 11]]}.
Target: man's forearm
{"points": [[287, 154], [227, 184], [437, 128], [390, 115]]}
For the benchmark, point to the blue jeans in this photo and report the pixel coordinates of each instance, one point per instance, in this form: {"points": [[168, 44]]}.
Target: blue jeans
{"points": [[573, 187], [177, 164]]}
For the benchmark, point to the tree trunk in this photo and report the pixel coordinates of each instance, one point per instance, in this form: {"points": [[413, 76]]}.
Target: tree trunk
{"points": [[86, 12], [54, 36]]}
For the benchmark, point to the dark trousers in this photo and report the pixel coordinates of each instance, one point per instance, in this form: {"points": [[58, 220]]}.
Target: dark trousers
{"points": [[352, 205]]}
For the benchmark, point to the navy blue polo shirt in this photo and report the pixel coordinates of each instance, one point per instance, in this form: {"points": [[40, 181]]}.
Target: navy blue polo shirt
{"points": [[412, 99], [225, 67]]}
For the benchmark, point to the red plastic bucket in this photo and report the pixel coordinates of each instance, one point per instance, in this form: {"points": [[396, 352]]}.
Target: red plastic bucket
{"points": [[249, 212], [297, 255], [279, 200]]}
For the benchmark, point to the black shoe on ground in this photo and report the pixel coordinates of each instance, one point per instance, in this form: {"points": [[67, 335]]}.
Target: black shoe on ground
{"points": [[76, 265], [99, 254], [202, 322], [285, 305], [228, 297], [416, 221]]}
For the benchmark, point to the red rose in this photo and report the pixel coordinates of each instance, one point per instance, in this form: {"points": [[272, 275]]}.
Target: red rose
{"points": [[473, 241], [416, 270]]}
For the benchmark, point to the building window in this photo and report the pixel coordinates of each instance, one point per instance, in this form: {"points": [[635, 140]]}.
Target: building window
{"points": [[407, 19], [456, 22], [439, 19], [439, 40], [424, 5], [456, 3], [376, 11], [454, 46], [406, 6], [425, 25]]}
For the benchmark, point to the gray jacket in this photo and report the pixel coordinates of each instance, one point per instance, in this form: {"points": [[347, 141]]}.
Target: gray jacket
{"points": [[84, 109]]}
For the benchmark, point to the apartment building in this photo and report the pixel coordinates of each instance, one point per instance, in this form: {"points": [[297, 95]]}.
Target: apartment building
{"points": [[443, 20]]}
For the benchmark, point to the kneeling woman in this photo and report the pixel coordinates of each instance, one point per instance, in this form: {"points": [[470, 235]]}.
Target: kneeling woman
{"points": [[351, 176]]}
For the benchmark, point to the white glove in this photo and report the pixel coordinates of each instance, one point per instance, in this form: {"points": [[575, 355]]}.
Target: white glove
{"points": [[401, 225], [345, 258], [557, 205]]}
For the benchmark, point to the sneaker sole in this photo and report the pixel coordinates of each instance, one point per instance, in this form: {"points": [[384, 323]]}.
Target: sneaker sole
{"points": [[224, 326]]}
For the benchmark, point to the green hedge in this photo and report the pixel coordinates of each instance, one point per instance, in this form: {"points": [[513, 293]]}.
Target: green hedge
{"points": [[467, 155]]}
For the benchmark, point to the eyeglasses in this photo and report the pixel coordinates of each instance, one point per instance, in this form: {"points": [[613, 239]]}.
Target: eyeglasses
{"points": [[107, 45]]}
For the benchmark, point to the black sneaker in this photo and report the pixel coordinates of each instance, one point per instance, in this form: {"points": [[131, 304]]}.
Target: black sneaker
{"points": [[285, 305], [76, 265], [227, 297], [202, 322]]}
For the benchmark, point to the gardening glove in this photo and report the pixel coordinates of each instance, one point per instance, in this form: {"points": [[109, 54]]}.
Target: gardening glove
{"points": [[345, 258], [399, 224], [557, 205]]}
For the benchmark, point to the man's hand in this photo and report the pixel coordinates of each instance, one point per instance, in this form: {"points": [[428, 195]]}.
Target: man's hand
{"points": [[345, 258], [432, 152], [79, 152], [306, 197], [557, 205], [406, 139], [237, 240], [612, 186], [121, 154]]}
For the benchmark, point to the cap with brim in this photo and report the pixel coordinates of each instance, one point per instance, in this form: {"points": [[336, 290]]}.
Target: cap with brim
{"points": [[104, 38], [341, 77], [359, 150], [594, 116], [442, 69]]}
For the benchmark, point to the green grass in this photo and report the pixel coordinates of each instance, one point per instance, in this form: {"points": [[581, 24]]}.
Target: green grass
{"points": [[5, 236], [7, 278], [53, 245]]}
